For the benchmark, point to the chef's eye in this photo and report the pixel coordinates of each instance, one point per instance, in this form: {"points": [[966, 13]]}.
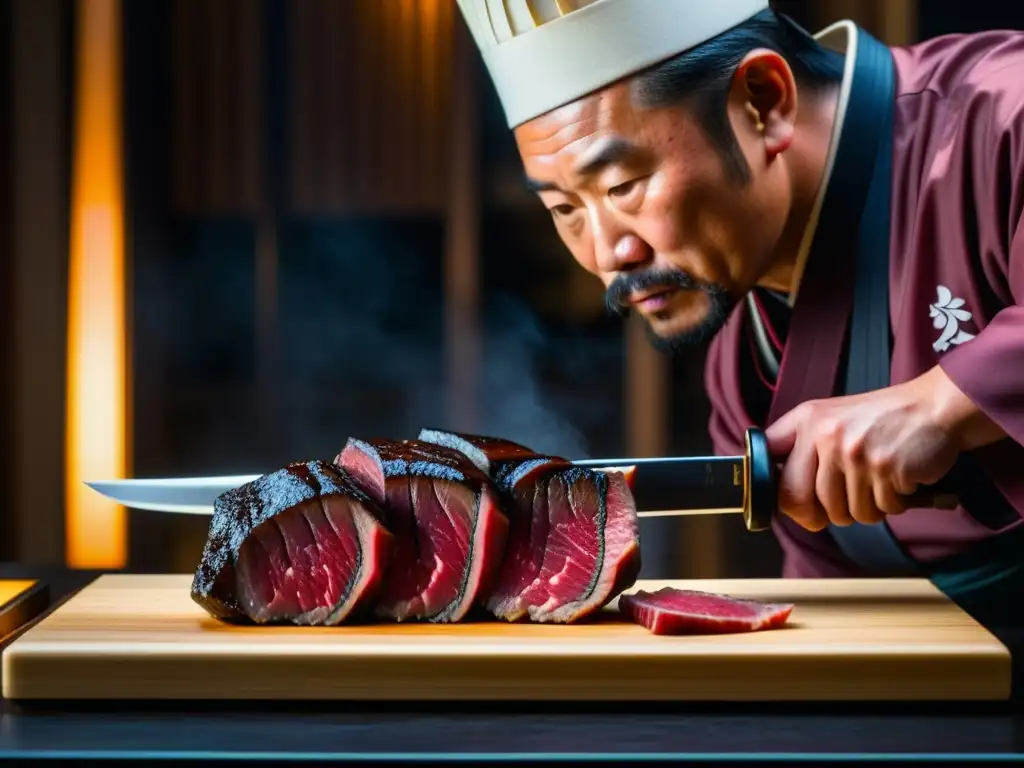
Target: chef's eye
{"points": [[563, 210], [621, 190], [628, 196]]}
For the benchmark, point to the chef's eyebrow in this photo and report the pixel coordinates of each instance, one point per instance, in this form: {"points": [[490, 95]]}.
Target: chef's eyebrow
{"points": [[611, 152], [542, 186]]}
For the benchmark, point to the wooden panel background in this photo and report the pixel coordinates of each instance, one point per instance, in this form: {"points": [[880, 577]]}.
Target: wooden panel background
{"points": [[462, 262], [217, 121], [7, 508], [894, 22], [39, 124], [370, 83]]}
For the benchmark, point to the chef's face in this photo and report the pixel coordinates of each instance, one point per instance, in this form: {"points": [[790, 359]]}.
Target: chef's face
{"points": [[643, 198]]}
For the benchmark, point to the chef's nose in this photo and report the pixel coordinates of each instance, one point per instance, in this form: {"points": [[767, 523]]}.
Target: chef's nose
{"points": [[618, 250]]}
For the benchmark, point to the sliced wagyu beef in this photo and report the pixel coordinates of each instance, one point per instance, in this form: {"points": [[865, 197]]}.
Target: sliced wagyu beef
{"points": [[302, 545], [449, 528], [671, 611], [574, 539]]}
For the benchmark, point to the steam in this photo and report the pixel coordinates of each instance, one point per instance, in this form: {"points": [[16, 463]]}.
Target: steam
{"points": [[362, 353], [513, 403]]}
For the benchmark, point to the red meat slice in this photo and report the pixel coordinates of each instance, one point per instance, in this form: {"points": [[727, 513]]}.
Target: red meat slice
{"points": [[302, 545], [449, 527], [680, 611], [574, 541]]}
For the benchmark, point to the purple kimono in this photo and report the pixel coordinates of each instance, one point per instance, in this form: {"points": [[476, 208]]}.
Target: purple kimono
{"points": [[956, 289]]}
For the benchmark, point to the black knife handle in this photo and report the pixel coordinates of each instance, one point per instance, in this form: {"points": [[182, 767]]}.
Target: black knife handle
{"points": [[761, 494]]}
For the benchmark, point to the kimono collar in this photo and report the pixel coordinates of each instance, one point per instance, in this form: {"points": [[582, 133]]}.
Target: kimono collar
{"points": [[842, 38]]}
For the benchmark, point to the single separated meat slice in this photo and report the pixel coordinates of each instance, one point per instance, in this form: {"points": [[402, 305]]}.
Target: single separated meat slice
{"points": [[448, 523], [301, 545], [574, 541], [680, 611]]}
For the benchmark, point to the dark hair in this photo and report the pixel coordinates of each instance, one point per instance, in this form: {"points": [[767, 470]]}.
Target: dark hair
{"points": [[700, 77]]}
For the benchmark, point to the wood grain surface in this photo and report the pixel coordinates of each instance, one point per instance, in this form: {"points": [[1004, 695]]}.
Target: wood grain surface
{"points": [[142, 637]]}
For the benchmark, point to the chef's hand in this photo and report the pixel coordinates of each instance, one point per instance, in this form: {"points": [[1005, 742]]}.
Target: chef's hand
{"points": [[851, 458]]}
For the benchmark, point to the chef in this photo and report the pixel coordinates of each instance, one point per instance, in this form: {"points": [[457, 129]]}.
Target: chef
{"points": [[844, 222]]}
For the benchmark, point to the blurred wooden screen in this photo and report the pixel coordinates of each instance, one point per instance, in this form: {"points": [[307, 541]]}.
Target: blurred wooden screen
{"points": [[368, 86]]}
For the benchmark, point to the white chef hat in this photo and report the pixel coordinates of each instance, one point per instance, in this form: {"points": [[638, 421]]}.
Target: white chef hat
{"points": [[542, 54]]}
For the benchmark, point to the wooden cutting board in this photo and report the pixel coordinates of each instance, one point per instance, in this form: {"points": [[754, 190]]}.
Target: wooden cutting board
{"points": [[142, 637], [21, 600]]}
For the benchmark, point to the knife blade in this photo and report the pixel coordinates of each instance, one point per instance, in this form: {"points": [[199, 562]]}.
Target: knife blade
{"points": [[668, 486], [662, 487]]}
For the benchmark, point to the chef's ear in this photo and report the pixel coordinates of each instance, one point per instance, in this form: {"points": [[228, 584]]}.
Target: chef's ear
{"points": [[765, 89]]}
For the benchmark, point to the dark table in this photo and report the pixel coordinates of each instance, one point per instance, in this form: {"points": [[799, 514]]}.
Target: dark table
{"points": [[409, 733]]}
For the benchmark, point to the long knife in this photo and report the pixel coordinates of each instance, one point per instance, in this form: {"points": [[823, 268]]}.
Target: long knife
{"points": [[662, 487]]}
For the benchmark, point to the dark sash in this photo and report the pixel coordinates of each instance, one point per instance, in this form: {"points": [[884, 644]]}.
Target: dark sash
{"points": [[857, 201], [873, 547]]}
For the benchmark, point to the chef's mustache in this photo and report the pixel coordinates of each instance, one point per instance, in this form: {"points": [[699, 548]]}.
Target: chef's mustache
{"points": [[616, 296]]}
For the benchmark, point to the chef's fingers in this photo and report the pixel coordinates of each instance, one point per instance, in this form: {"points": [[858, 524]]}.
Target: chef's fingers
{"points": [[830, 487], [861, 493], [797, 496], [887, 499], [901, 484]]}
